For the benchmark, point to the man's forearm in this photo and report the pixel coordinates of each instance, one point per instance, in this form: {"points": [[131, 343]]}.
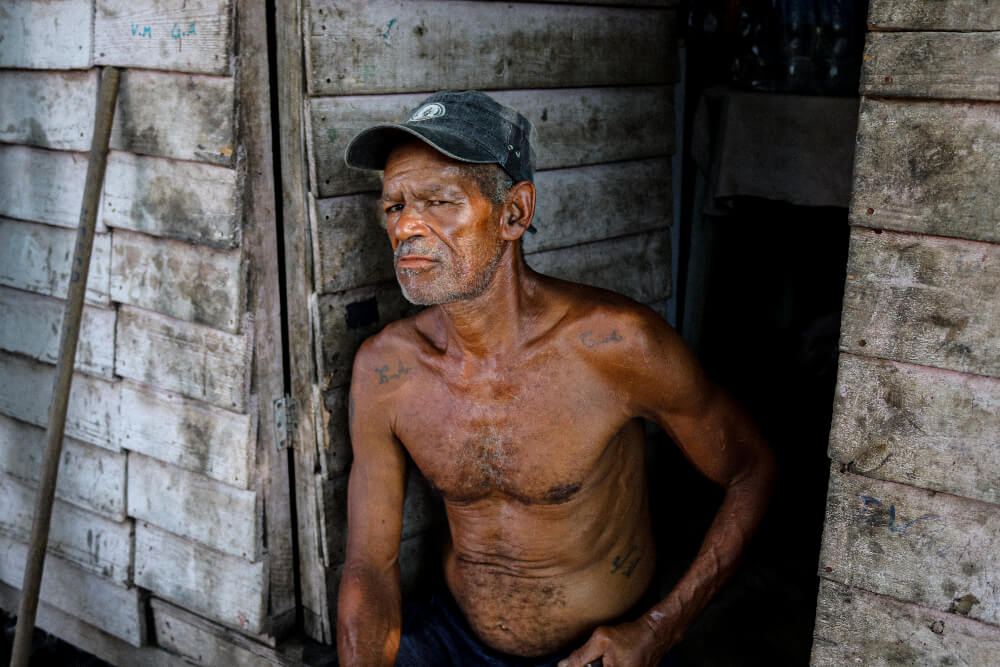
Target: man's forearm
{"points": [[369, 618]]}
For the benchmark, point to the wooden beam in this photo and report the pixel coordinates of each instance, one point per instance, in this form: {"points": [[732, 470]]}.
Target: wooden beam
{"points": [[965, 15], [44, 35]]}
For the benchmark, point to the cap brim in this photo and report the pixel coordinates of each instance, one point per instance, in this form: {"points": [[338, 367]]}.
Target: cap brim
{"points": [[370, 149]]}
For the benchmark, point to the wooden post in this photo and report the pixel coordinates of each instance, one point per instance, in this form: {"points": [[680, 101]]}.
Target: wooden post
{"points": [[31, 585]]}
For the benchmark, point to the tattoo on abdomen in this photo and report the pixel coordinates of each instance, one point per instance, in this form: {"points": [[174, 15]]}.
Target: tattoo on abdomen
{"points": [[622, 564], [385, 376]]}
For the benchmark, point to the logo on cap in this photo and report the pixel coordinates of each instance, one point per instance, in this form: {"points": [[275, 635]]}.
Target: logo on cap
{"points": [[428, 111]]}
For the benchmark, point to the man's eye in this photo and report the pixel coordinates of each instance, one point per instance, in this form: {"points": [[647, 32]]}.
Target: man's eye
{"points": [[437, 202], [394, 208]]}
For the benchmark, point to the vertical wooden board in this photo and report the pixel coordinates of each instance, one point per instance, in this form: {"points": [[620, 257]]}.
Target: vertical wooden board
{"points": [[854, 626], [947, 65], [38, 34], [637, 266], [37, 258], [575, 127], [189, 359], [42, 185], [349, 243], [391, 46], [929, 167], [345, 319], [27, 389], [187, 433], [924, 300], [89, 541], [176, 35], [179, 200], [89, 477], [929, 548], [185, 116], [969, 15], [917, 425], [48, 109], [193, 283], [31, 324], [189, 504], [208, 582], [116, 610], [333, 431]]}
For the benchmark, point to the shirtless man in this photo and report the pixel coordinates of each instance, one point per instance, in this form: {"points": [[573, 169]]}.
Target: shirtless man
{"points": [[519, 398]]}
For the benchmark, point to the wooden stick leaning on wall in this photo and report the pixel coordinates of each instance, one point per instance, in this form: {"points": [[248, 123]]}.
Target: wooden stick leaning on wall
{"points": [[96, 165]]}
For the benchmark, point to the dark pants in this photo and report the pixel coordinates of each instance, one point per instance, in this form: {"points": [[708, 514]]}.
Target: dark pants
{"points": [[436, 634]]}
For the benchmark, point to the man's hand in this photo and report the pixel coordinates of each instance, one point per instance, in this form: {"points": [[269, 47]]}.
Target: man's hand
{"points": [[626, 645]]}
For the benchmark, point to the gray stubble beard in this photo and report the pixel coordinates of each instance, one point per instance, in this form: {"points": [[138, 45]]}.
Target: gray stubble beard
{"points": [[449, 287]]}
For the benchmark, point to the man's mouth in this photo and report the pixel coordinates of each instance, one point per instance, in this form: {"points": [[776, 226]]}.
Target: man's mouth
{"points": [[414, 262]]}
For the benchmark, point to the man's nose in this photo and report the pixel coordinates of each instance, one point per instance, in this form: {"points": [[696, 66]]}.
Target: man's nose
{"points": [[410, 224]]}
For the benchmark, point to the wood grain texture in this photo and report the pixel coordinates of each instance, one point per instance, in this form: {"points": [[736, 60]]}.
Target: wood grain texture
{"points": [[114, 609], [947, 65], [48, 109], [89, 477], [180, 200], [176, 35], [854, 626], [916, 425], [31, 324], [37, 258], [190, 359], [37, 34], [89, 541], [350, 246], [194, 283], [928, 167], [189, 504], [932, 549], [966, 15], [43, 186], [392, 46], [333, 429], [923, 299], [187, 433], [576, 126], [26, 390], [637, 266], [208, 582]]}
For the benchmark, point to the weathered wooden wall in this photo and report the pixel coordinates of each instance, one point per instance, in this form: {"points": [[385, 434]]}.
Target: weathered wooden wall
{"points": [[166, 474], [910, 562], [595, 81]]}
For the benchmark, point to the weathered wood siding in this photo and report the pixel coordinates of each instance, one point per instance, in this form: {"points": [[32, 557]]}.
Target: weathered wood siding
{"points": [[595, 81], [909, 563], [166, 468]]}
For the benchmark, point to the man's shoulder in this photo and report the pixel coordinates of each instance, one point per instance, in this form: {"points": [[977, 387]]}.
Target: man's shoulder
{"points": [[397, 345]]}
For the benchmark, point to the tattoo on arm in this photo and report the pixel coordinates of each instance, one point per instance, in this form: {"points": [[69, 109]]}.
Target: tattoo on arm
{"points": [[621, 562], [385, 376], [590, 341]]}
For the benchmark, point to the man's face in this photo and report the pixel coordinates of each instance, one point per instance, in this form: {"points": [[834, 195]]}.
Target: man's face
{"points": [[443, 231]]}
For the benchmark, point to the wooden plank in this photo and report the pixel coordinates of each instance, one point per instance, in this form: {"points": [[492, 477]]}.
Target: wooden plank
{"points": [[917, 425], [929, 548], [176, 35], [576, 126], [854, 626], [189, 359], [392, 46], [208, 582], [30, 324], [186, 433], [923, 299], [89, 541], [179, 200], [37, 258], [48, 109], [89, 477], [350, 245], [116, 610], [965, 15], [26, 390], [194, 283], [42, 185], [189, 504], [947, 65], [46, 35], [928, 167], [637, 266], [345, 319]]}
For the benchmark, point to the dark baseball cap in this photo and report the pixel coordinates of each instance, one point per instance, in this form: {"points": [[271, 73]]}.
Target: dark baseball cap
{"points": [[468, 126]]}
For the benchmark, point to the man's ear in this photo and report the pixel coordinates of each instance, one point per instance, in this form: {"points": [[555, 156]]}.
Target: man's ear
{"points": [[518, 211]]}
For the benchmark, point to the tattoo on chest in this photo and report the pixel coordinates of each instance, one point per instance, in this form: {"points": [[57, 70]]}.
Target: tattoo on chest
{"points": [[589, 340], [622, 564], [385, 376]]}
